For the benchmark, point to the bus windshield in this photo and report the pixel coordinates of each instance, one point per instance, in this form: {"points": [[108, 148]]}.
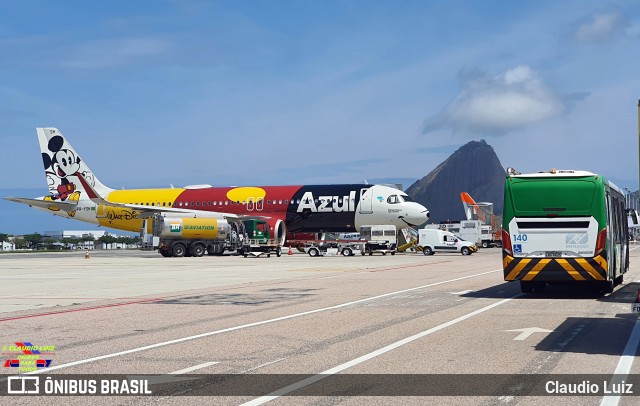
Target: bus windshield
{"points": [[565, 197]]}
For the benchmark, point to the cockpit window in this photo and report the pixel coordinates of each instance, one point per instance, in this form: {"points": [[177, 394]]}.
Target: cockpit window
{"points": [[393, 199], [406, 198]]}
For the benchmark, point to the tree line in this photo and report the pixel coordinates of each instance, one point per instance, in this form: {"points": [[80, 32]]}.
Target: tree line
{"points": [[39, 241]]}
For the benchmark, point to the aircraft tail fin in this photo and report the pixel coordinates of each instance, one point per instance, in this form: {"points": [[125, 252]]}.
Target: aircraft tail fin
{"points": [[469, 205], [62, 164]]}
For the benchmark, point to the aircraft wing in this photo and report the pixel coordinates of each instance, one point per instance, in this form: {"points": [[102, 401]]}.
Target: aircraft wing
{"points": [[44, 204], [146, 211]]}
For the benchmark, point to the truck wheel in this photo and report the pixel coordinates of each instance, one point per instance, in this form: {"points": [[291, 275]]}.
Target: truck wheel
{"points": [[485, 244], [313, 252], [393, 253], [427, 251], [465, 251], [607, 287], [164, 253], [278, 252], [178, 250], [197, 250], [347, 252]]}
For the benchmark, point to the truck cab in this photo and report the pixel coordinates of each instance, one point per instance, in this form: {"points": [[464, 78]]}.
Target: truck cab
{"points": [[432, 241]]}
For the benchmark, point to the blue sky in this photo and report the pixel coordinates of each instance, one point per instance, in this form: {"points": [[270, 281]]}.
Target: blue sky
{"points": [[153, 93]]}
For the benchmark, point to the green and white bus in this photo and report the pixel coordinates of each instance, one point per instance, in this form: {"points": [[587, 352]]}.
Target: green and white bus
{"points": [[563, 226]]}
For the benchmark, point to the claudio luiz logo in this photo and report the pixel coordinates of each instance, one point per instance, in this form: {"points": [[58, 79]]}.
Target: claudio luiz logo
{"points": [[26, 357]]}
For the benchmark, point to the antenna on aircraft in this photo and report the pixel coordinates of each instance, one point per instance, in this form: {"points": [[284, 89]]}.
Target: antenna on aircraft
{"points": [[171, 184], [365, 182]]}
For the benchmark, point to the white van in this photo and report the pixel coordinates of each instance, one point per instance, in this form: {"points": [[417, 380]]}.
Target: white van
{"points": [[432, 241]]}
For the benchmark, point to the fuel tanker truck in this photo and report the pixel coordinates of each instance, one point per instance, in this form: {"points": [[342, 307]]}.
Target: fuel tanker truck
{"points": [[193, 236]]}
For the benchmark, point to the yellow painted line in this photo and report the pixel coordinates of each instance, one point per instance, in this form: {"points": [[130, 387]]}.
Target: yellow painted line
{"points": [[570, 270], [537, 268], [512, 275], [587, 267]]}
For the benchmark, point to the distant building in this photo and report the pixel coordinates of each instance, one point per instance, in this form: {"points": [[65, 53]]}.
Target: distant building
{"points": [[7, 246], [59, 235]]}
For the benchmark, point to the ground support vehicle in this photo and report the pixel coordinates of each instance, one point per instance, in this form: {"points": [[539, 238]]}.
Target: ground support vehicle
{"points": [[379, 238], [195, 236], [564, 226], [432, 240], [372, 239], [258, 247], [345, 248]]}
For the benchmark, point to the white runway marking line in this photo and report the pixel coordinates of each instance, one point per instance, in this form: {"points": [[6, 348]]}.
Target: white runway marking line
{"points": [[193, 368], [462, 292], [371, 355], [257, 323], [624, 365], [263, 365]]}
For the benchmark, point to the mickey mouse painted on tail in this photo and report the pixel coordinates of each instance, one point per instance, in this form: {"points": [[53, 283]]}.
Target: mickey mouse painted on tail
{"points": [[60, 164]]}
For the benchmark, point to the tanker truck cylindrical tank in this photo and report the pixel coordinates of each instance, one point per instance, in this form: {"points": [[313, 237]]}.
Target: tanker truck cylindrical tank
{"points": [[194, 228]]}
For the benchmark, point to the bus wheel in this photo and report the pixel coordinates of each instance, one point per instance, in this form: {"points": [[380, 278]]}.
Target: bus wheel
{"points": [[465, 251], [178, 250], [539, 287], [526, 287], [607, 287], [427, 251], [619, 280]]}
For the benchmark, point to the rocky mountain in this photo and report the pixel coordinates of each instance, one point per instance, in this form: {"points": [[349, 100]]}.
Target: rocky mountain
{"points": [[474, 168]]}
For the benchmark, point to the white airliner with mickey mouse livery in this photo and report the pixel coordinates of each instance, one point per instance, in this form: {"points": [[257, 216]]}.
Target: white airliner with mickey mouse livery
{"points": [[75, 192]]}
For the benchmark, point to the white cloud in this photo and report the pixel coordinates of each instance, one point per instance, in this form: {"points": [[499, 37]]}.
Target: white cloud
{"points": [[114, 52], [498, 104], [601, 27]]}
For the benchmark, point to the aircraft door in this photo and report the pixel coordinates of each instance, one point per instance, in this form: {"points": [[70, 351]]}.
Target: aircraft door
{"points": [[101, 211], [365, 201], [250, 204]]}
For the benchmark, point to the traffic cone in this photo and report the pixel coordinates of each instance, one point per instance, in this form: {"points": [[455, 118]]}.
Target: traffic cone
{"points": [[290, 251]]}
